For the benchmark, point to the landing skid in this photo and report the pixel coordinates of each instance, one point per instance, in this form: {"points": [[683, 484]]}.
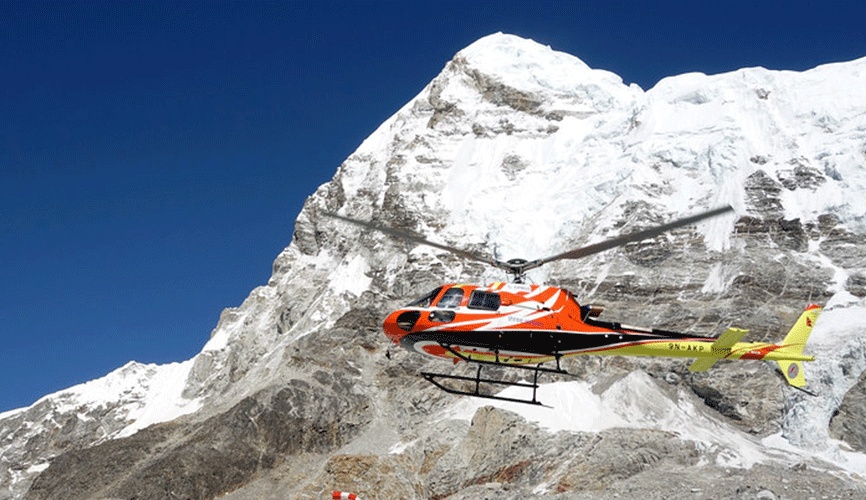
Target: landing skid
{"points": [[478, 380]]}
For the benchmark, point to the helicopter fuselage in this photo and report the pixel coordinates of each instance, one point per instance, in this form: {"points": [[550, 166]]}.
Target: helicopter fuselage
{"points": [[513, 323], [519, 325]]}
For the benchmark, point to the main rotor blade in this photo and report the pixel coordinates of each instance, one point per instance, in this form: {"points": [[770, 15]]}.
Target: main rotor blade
{"points": [[629, 238], [414, 238]]}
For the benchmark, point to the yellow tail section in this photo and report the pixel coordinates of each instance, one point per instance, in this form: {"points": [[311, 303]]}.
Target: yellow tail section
{"points": [[793, 345], [788, 353], [793, 372]]}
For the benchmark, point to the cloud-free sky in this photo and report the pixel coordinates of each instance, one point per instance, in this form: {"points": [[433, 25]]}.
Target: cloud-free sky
{"points": [[154, 155]]}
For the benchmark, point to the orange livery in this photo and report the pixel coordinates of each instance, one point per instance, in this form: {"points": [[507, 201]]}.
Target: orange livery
{"points": [[524, 326]]}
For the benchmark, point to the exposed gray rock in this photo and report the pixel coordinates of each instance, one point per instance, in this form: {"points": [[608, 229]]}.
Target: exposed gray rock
{"points": [[298, 399], [848, 423], [205, 459]]}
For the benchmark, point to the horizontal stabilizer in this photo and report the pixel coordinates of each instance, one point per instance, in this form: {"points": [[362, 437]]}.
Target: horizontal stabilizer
{"points": [[702, 364], [720, 349]]}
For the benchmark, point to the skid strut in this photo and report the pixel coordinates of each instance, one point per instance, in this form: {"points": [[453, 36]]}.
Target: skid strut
{"points": [[478, 379]]}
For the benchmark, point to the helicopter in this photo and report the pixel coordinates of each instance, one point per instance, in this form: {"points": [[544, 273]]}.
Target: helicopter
{"points": [[524, 326]]}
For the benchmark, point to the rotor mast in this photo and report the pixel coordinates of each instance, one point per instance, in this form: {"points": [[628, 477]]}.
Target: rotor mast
{"points": [[517, 268]]}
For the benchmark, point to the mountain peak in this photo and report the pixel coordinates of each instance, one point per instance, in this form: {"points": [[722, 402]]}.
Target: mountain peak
{"points": [[514, 150], [530, 66]]}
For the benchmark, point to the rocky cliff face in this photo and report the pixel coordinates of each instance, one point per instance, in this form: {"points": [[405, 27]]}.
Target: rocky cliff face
{"points": [[521, 151]]}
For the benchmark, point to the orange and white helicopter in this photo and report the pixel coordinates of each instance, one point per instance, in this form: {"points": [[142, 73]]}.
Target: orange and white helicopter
{"points": [[523, 326]]}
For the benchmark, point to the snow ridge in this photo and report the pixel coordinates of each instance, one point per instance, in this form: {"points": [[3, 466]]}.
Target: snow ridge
{"points": [[516, 150]]}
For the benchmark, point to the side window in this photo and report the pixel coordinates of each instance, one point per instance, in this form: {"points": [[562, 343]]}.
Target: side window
{"points": [[451, 299], [426, 300], [484, 300], [442, 316]]}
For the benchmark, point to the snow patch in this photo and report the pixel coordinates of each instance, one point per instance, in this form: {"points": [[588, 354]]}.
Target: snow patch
{"points": [[13, 412], [145, 394], [716, 281], [634, 401], [400, 447], [351, 276], [163, 400], [37, 468]]}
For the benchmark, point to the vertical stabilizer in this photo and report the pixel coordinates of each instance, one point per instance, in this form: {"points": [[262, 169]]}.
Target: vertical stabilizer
{"points": [[794, 343], [793, 372]]}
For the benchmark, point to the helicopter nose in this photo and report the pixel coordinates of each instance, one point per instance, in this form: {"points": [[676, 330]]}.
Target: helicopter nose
{"points": [[398, 323]]}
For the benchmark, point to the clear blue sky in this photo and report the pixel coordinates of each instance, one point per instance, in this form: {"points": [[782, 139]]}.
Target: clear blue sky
{"points": [[154, 155]]}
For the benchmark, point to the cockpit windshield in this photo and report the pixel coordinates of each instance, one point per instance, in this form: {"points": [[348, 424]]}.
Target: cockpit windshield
{"points": [[451, 299], [426, 300]]}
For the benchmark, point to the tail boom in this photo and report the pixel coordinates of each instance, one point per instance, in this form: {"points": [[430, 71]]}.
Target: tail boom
{"points": [[788, 353]]}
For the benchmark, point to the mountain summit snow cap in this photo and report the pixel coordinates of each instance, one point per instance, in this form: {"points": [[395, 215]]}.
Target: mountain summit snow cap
{"points": [[530, 66]]}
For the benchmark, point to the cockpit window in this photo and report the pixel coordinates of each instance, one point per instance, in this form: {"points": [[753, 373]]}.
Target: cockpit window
{"points": [[426, 300], [451, 299], [484, 300]]}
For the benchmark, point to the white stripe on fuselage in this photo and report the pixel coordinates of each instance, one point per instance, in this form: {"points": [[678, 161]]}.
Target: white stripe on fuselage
{"points": [[507, 317]]}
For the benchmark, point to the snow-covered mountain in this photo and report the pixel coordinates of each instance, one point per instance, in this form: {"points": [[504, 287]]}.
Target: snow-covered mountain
{"points": [[521, 151]]}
